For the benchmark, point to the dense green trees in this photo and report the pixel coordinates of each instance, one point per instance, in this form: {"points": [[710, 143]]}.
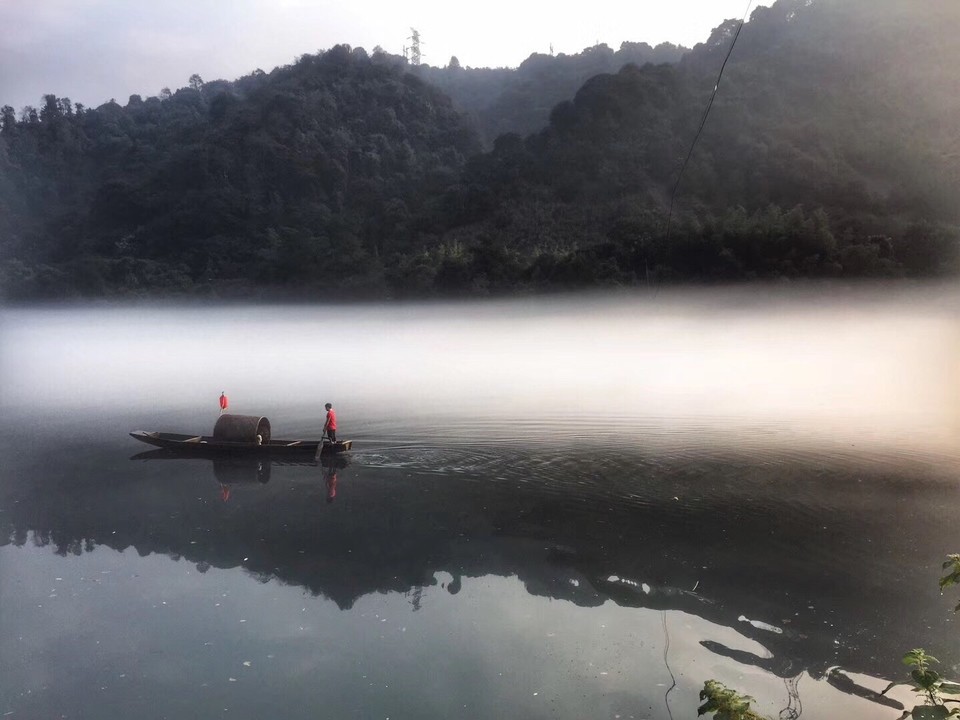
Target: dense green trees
{"points": [[301, 177], [502, 100], [830, 152], [822, 156]]}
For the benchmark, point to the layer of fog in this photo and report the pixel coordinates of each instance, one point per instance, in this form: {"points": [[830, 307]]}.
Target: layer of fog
{"points": [[874, 363]]}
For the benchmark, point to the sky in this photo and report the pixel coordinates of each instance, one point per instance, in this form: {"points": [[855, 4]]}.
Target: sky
{"points": [[95, 50]]}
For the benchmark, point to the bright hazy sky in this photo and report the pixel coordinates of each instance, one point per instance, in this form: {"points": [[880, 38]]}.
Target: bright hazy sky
{"points": [[94, 50]]}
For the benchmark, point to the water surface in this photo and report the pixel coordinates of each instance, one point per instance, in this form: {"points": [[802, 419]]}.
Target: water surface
{"points": [[567, 507]]}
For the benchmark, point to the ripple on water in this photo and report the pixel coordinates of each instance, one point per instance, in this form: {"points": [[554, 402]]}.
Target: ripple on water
{"points": [[685, 469]]}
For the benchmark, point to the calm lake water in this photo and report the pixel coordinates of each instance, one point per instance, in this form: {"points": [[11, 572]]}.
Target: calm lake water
{"points": [[574, 507]]}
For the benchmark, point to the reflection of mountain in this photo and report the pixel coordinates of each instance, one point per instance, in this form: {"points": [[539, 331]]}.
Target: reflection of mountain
{"points": [[828, 581]]}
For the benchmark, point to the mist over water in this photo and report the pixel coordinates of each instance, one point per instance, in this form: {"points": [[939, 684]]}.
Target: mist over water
{"points": [[555, 507], [870, 366]]}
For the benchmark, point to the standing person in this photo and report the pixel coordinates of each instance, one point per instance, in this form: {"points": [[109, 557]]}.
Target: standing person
{"points": [[224, 402], [330, 426]]}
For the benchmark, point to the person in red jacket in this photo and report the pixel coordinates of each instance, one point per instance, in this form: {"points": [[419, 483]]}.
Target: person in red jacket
{"points": [[224, 403], [330, 426]]}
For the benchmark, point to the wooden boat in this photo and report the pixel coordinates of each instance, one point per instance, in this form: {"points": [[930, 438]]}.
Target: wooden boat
{"points": [[240, 434], [205, 444]]}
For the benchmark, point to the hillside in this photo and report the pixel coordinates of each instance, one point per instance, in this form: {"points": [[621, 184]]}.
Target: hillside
{"points": [[506, 100], [832, 149], [299, 177]]}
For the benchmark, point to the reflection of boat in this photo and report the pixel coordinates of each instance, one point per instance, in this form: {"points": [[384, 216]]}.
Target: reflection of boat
{"points": [[240, 434], [338, 461], [231, 470]]}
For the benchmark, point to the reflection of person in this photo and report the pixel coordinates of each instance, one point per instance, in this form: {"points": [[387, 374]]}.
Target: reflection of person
{"points": [[330, 426], [331, 478], [224, 492], [224, 402]]}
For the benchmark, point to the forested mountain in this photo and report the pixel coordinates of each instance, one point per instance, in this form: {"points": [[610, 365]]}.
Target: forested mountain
{"points": [[504, 100], [299, 177], [832, 149]]}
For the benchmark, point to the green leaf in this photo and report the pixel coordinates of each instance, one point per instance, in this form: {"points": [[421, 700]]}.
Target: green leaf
{"points": [[926, 679], [950, 687], [911, 657], [951, 579], [918, 656], [930, 712], [725, 703]]}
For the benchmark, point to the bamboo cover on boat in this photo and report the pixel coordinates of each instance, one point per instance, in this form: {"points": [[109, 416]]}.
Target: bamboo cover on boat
{"points": [[242, 428]]}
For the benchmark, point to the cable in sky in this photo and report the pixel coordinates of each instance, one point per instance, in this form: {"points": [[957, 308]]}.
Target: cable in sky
{"points": [[703, 120]]}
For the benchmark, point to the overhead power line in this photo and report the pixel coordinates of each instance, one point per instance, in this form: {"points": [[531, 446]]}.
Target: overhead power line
{"points": [[703, 120]]}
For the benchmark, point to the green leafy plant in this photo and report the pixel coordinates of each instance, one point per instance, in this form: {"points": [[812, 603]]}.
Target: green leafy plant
{"points": [[926, 681], [953, 576], [726, 704]]}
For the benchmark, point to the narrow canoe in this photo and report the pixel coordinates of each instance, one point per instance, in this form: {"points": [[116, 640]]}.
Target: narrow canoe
{"points": [[204, 444]]}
